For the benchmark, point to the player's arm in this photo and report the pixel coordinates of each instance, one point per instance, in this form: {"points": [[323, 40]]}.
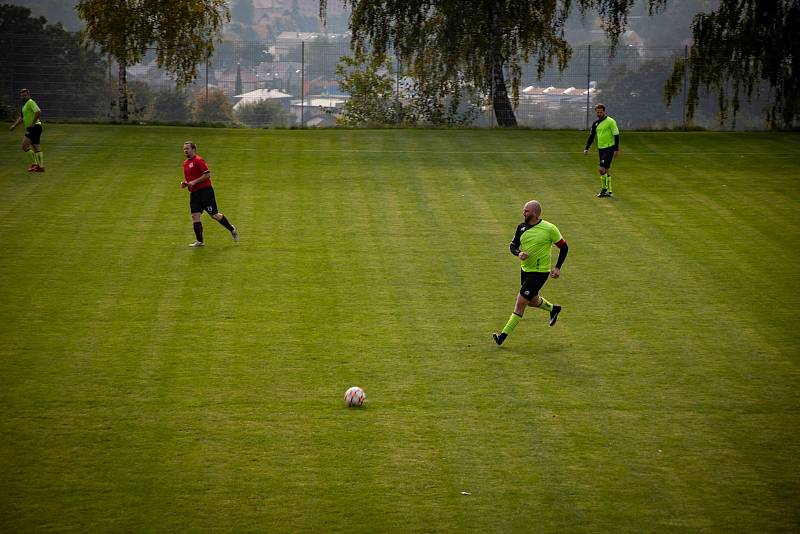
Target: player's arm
{"points": [[563, 250], [514, 245], [616, 144], [203, 177], [36, 116], [589, 141], [16, 122]]}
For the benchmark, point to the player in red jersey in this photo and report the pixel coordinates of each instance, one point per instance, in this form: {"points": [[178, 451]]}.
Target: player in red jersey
{"points": [[197, 178]]}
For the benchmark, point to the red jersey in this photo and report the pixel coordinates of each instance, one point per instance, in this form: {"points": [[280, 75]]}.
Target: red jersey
{"points": [[193, 169]]}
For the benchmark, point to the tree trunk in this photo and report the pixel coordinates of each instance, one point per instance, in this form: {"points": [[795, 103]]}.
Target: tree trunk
{"points": [[503, 111], [123, 92]]}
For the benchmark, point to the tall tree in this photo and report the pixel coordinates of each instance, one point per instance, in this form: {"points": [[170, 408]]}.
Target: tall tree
{"points": [[66, 76], [478, 40], [744, 47], [182, 31]]}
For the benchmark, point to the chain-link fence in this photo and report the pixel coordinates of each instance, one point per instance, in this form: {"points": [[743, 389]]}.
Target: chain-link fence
{"points": [[293, 81]]}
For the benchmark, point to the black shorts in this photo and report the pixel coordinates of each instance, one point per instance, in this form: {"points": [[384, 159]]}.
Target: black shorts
{"points": [[34, 133], [203, 200], [531, 283], [606, 155]]}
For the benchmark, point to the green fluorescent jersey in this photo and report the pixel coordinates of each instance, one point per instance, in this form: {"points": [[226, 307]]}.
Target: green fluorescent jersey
{"points": [[537, 241], [606, 130], [28, 111]]}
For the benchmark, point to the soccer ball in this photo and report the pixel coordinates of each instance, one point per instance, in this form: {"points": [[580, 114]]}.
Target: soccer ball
{"points": [[354, 396]]}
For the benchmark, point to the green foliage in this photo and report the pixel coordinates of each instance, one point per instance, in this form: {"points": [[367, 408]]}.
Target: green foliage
{"points": [[369, 81], [18, 20], [446, 40], [182, 31], [171, 106], [29, 47], [140, 98], [58, 11], [744, 48], [636, 95], [212, 108], [263, 114]]}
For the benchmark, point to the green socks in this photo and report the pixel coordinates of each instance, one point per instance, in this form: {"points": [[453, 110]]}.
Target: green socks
{"points": [[512, 323], [39, 158], [608, 182], [31, 156], [514, 320]]}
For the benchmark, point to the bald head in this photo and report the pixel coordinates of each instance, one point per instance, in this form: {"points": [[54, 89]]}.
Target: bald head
{"points": [[532, 211]]}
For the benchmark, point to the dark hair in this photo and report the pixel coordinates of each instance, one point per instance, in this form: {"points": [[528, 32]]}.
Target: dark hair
{"points": [[23, 90], [600, 106], [191, 144]]}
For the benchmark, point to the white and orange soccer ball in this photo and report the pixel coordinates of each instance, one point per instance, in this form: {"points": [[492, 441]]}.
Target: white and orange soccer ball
{"points": [[354, 396]]}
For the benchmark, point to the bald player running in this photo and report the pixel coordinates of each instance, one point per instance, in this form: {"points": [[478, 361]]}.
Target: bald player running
{"points": [[532, 244]]}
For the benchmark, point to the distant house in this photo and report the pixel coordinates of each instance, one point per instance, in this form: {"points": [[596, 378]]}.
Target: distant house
{"points": [[285, 75], [259, 95], [317, 110], [553, 97], [226, 79]]}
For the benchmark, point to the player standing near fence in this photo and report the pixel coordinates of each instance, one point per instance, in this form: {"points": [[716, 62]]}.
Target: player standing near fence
{"points": [[605, 128], [30, 117]]}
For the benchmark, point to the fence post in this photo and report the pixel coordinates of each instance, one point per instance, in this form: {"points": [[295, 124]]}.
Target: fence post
{"points": [[397, 92], [685, 73], [491, 90], [302, 84], [588, 82]]}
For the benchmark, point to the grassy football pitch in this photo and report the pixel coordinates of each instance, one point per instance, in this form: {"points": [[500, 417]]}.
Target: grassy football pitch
{"points": [[147, 386]]}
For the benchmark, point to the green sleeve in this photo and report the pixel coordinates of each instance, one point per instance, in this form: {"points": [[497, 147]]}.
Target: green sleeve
{"points": [[555, 235]]}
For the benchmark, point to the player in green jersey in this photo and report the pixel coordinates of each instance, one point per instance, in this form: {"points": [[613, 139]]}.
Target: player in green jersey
{"points": [[33, 131], [605, 128], [532, 244]]}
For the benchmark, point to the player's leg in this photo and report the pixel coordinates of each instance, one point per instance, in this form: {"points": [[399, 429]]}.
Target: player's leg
{"points": [[519, 309], [197, 225], [26, 147], [210, 202], [605, 162], [196, 209], [38, 154], [36, 140], [603, 187], [528, 292], [553, 309], [220, 218]]}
